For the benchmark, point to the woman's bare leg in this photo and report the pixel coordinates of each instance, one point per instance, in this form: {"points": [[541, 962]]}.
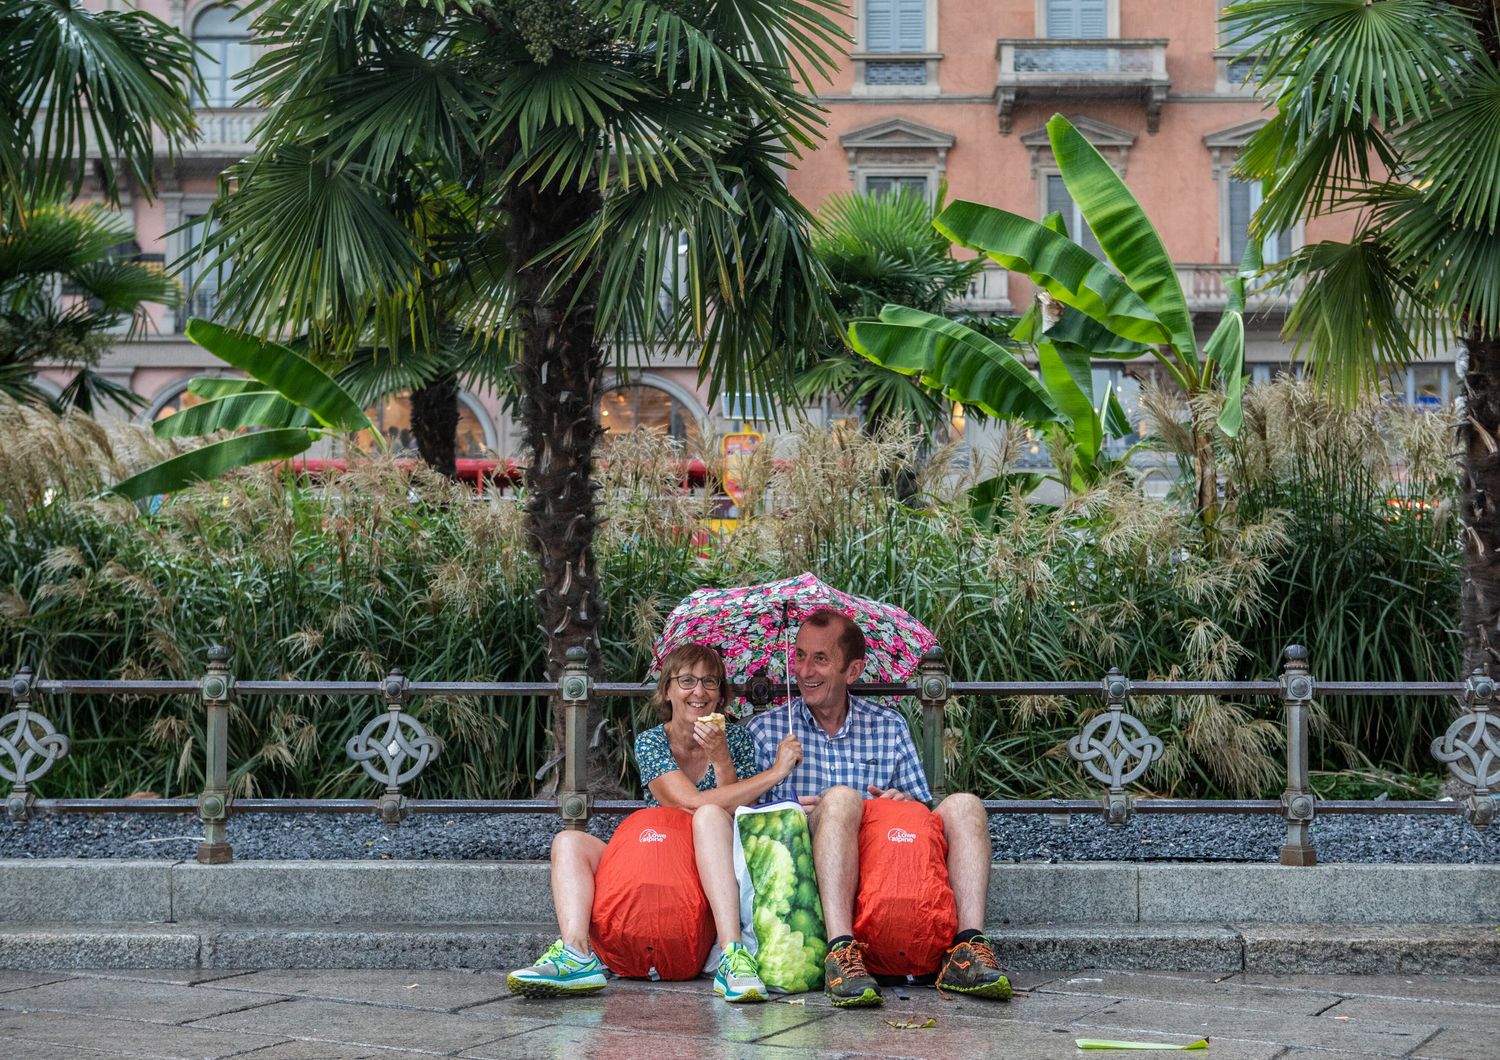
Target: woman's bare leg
{"points": [[575, 859], [713, 845]]}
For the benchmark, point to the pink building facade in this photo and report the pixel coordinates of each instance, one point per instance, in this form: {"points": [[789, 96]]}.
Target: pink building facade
{"points": [[933, 93]]}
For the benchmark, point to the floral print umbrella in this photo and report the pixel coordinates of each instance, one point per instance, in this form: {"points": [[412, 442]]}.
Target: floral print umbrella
{"points": [[746, 626]]}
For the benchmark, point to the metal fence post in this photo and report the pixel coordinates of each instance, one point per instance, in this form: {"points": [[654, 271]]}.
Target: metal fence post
{"points": [[932, 689], [1298, 803], [1469, 748], [573, 799], [216, 690], [29, 746]]}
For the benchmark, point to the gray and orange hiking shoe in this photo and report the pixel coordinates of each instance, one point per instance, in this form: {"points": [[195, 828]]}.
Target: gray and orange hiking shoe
{"points": [[845, 980], [971, 968], [558, 972]]}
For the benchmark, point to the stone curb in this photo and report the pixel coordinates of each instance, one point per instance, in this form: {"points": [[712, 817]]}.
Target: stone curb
{"points": [[1294, 950], [323, 893]]}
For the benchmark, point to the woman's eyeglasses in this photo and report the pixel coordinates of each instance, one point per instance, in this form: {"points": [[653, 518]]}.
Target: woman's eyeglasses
{"points": [[688, 682]]}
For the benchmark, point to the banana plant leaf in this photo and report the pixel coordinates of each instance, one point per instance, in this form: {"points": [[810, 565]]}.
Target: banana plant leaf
{"points": [[964, 365], [1069, 380], [1125, 234], [1226, 346], [209, 387], [285, 371], [989, 497], [1112, 414], [254, 408], [213, 460], [1056, 264]]}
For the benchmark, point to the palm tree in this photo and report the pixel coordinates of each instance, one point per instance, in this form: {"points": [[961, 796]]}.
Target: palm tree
{"points": [[567, 149], [68, 293], [881, 250], [1390, 110], [79, 83]]}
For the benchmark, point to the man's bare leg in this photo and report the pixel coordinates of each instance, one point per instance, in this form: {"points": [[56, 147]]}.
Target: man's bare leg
{"points": [[575, 860], [835, 842], [967, 829]]}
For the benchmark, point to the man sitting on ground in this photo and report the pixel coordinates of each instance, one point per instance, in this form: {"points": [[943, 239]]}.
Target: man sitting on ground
{"points": [[860, 751]]}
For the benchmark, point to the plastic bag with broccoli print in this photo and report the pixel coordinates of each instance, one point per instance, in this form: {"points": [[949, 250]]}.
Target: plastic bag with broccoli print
{"points": [[781, 918]]}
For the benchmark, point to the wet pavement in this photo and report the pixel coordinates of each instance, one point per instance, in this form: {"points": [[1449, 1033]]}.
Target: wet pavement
{"points": [[394, 1013]]}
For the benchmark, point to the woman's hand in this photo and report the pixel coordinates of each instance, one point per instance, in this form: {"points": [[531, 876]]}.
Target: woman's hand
{"points": [[788, 755], [711, 738]]}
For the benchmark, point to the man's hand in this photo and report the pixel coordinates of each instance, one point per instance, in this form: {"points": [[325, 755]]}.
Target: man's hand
{"points": [[894, 794], [809, 802]]}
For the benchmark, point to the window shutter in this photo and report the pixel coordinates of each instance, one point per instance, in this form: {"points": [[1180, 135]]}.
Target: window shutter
{"points": [[1059, 201], [1093, 19], [1240, 209], [1078, 18], [880, 25], [911, 25]]}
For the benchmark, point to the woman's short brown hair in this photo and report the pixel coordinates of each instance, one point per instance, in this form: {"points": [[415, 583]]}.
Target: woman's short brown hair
{"points": [[685, 657]]}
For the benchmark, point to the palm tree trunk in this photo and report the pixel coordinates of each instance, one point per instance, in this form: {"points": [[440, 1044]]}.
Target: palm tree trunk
{"points": [[434, 423], [560, 370], [1479, 506], [1205, 470]]}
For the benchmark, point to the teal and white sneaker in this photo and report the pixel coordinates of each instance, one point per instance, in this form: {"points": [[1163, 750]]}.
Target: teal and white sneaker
{"points": [[557, 972], [738, 978]]}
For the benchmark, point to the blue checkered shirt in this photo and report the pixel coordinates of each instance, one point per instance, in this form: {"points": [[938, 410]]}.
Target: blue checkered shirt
{"points": [[874, 746]]}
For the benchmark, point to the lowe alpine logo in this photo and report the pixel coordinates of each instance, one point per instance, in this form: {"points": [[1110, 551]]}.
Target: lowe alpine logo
{"points": [[900, 835], [651, 835]]}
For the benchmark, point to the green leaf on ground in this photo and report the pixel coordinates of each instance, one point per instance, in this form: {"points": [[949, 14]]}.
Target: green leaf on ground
{"points": [[1104, 1043], [913, 1025]]}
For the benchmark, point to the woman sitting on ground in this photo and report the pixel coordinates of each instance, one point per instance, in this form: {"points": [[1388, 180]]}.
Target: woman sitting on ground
{"points": [[703, 768]]}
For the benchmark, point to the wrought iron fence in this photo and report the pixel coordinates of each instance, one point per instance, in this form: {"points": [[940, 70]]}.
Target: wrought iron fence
{"points": [[1112, 746]]}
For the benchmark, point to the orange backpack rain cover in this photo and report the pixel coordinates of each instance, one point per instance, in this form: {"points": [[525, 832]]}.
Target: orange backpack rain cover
{"points": [[650, 913], [904, 912]]}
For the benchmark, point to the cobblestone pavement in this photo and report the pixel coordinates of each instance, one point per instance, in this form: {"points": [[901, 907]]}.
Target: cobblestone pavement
{"points": [[394, 1013]]}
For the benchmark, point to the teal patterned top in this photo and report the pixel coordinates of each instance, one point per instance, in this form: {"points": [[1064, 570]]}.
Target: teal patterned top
{"points": [[653, 757]]}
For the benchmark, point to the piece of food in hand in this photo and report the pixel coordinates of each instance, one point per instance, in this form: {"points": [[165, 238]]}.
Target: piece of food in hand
{"points": [[714, 719]]}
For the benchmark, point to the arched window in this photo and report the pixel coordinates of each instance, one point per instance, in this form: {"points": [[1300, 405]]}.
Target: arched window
{"points": [[178, 400], [217, 33], [392, 418], [624, 408]]}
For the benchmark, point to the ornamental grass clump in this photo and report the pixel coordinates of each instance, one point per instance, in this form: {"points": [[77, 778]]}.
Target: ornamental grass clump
{"points": [[391, 566]]}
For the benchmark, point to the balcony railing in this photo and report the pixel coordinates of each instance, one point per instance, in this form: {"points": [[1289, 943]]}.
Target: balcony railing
{"points": [[1036, 69], [223, 133], [226, 130], [989, 291], [1203, 285], [1112, 745]]}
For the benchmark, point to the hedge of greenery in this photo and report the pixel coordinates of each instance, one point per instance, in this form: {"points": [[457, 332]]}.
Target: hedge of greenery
{"points": [[390, 567]]}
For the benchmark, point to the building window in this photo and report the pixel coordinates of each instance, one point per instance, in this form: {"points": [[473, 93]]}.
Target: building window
{"points": [[1428, 386], [896, 56], [1078, 19], [228, 54], [392, 419], [1244, 200], [881, 186], [1059, 201], [634, 406], [896, 154], [180, 399], [201, 280], [1236, 57], [895, 25]]}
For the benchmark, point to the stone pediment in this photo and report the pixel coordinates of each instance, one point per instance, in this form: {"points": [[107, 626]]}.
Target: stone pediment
{"points": [[897, 133], [1233, 137], [1098, 133]]}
